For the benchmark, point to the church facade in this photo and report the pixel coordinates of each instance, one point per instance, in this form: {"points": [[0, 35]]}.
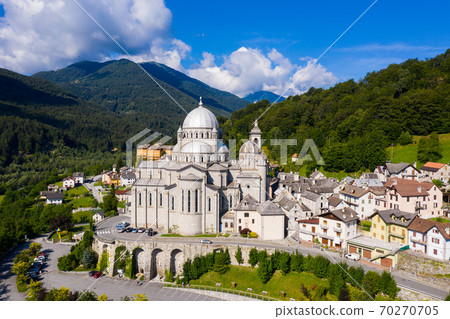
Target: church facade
{"points": [[188, 191]]}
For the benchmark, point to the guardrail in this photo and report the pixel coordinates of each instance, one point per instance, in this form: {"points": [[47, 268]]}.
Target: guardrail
{"points": [[222, 290]]}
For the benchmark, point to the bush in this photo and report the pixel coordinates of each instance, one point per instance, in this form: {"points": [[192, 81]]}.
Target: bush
{"points": [[168, 276], [68, 262], [253, 235]]}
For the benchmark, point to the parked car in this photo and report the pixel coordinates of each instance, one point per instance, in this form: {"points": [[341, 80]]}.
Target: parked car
{"points": [[98, 274], [122, 230], [129, 229], [152, 232], [205, 241], [92, 273], [352, 256], [141, 230], [134, 230]]}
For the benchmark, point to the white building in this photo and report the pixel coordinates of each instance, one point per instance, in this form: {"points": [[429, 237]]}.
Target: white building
{"points": [[69, 182], [188, 191], [127, 178], [337, 226], [399, 170], [430, 238], [317, 203], [54, 198], [361, 200], [79, 177], [437, 171], [308, 229]]}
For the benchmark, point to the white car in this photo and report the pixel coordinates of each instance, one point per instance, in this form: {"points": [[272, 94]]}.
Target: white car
{"points": [[353, 256], [205, 241]]}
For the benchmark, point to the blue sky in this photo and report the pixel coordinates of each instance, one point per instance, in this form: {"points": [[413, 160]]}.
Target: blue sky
{"points": [[238, 46], [391, 31]]}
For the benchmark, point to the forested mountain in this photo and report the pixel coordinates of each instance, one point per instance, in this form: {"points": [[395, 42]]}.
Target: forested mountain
{"points": [[43, 127], [123, 87], [263, 95], [353, 122]]}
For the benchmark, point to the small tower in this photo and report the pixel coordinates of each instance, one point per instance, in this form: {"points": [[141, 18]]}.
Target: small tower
{"points": [[255, 135]]}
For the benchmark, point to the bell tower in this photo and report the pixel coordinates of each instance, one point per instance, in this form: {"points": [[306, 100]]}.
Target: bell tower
{"points": [[255, 135]]}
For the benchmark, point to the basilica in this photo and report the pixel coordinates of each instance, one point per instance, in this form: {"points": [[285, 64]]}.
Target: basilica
{"points": [[189, 191]]}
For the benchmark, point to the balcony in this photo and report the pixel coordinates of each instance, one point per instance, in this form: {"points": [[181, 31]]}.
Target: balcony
{"points": [[337, 229], [419, 240], [324, 226]]}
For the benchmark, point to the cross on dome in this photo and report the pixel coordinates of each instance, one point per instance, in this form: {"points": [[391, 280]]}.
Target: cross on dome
{"points": [[201, 103]]}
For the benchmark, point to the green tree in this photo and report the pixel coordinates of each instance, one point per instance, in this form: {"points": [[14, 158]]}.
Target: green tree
{"points": [[35, 248], [344, 295], [405, 138], [285, 262], [103, 261], [55, 294], [221, 262], [238, 256], [35, 289], [437, 182], [388, 285], [296, 262], [103, 297], [21, 268], [110, 203], [265, 270], [87, 295], [140, 297], [335, 279], [371, 283], [356, 276], [89, 259], [429, 149], [68, 262], [253, 257]]}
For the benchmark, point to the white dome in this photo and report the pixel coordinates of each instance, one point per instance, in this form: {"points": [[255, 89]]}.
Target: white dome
{"points": [[222, 148], [200, 118], [249, 147], [197, 148]]}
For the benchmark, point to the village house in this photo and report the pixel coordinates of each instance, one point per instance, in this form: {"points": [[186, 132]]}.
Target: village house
{"points": [[293, 209], [337, 226], [399, 170], [317, 203], [111, 178], [53, 188], [412, 196], [391, 225], [437, 171], [53, 198], [79, 177], [99, 215], [430, 238], [127, 178], [361, 200], [308, 229], [122, 195], [69, 182], [266, 219]]}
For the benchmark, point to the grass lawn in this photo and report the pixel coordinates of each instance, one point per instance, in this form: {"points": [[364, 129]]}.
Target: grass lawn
{"points": [[83, 202], [73, 230], [80, 217], [440, 219], [247, 277], [408, 153], [77, 191]]}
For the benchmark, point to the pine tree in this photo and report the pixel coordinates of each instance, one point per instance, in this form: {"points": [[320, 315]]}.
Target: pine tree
{"points": [[253, 257], [238, 256]]}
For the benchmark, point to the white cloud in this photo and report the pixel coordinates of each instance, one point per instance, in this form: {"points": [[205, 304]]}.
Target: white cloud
{"points": [[247, 70], [37, 35]]}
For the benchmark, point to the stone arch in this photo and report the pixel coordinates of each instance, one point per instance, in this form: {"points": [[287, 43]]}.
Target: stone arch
{"points": [[176, 262], [157, 263], [139, 257]]}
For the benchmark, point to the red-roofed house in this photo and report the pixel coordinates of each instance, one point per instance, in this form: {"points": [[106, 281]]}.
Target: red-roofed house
{"points": [[430, 238], [413, 197], [438, 171], [308, 229]]}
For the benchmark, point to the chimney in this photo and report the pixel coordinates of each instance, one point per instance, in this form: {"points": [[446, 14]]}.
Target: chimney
{"points": [[419, 189], [394, 182], [447, 230]]}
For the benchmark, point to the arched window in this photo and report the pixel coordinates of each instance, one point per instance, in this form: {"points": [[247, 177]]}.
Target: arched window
{"points": [[140, 199], [173, 203], [187, 160], [196, 200], [207, 134], [191, 134], [196, 135], [226, 225], [209, 204], [189, 202], [160, 199], [182, 200], [202, 134], [150, 199], [231, 225]]}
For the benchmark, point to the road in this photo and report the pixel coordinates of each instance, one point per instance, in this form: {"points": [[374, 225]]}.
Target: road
{"points": [[96, 191], [107, 231]]}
